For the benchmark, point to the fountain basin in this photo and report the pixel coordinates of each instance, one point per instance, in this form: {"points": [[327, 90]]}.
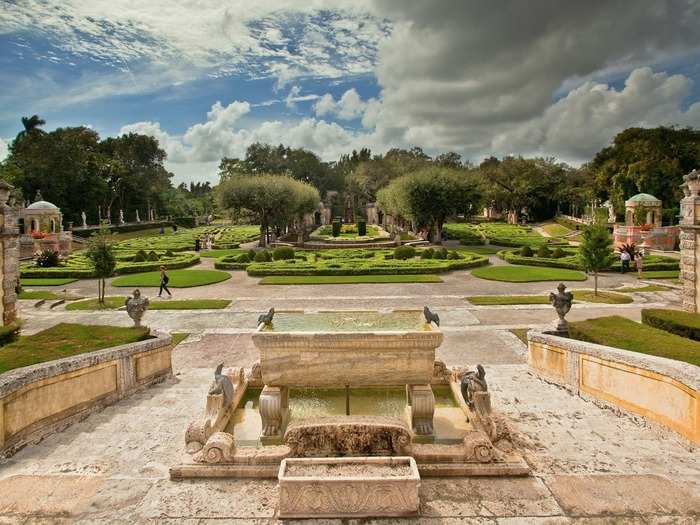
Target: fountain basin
{"points": [[348, 487]]}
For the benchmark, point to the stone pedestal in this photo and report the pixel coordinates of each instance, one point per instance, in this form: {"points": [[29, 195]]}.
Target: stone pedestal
{"points": [[274, 410], [9, 255], [689, 241], [422, 402]]}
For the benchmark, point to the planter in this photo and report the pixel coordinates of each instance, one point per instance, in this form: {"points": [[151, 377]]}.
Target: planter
{"points": [[348, 487]]}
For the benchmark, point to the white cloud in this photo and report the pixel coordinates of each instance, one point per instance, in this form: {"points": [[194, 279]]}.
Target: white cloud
{"points": [[350, 106], [3, 149], [295, 96]]}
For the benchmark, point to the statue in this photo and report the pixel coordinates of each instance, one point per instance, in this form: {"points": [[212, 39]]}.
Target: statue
{"points": [[136, 306], [138, 219], [222, 385], [121, 216], [38, 196], [84, 217], [471, 383], [267, 318], [430, 317], [561, 302]]}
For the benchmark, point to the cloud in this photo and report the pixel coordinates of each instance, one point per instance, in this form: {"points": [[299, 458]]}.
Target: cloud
{"points": [[459, 76], [3, 149], [295, 96], [350, 106]]}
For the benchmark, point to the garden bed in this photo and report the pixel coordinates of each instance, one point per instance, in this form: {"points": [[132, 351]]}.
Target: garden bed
{"points": [[684, 324], [178, 279], [570, 260], [526, 274], [350, 279], [349, 234], [501, 234]]}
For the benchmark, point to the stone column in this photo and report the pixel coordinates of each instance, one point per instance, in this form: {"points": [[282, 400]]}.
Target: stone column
{"points": [[689, 241], [9, 255], [274, 403], [422, 409]]}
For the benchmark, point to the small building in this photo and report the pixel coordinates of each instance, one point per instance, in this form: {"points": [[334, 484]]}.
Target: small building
{"points": [[650, 234], [41, 228]]}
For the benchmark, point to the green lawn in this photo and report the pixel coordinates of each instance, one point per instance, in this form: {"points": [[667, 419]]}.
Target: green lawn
{"points": [[178, 279], [113, 302], [37, 295], [602, 297], [482, 249], [621, 332], [661, 274], [556, 230], [64, 340], [520, 333], [350, 279], [526, 274], [179, 337], [221, 253], [46, 281], [647, 288], [487, 300]]}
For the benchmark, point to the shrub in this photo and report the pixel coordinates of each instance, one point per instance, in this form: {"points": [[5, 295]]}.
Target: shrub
{"points": [[336, 228], [427, 254], [243, 258], [388, 256], [361, 228], [263, 256], [453, 255], [282, 253], [404, 252], [544, 252], [169, 253], [47, 259], [185, 222], [676, 322], [251, 255], [9, 333], [152, 256], [440, 254], [558, 253], [140, 256], [526, 251]]}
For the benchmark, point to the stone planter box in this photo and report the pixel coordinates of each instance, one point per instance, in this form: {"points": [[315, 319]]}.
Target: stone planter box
{"points": [[348, 487]]}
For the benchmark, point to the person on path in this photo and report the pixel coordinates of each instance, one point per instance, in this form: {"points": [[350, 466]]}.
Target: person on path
{"points": [[624, 261], [164, 279]]}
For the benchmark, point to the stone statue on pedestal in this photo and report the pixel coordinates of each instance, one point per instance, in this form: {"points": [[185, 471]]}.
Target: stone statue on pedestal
{"points": [[84, 217], [121, 216], [138, 219], [561, 301], [136, 307]]}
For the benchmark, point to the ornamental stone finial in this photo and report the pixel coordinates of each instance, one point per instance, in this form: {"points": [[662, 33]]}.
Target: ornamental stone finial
{"points": [[136, 307], [561, 301]]}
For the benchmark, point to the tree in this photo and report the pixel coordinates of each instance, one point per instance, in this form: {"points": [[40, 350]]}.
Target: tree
{"points": [[430, 196], [275, 200], [31, 125], [101, 253], [596, 251]]}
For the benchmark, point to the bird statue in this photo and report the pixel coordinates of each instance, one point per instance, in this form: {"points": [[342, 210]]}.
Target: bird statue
{"points": [[267, 318], [222, 385], [431, 317]]}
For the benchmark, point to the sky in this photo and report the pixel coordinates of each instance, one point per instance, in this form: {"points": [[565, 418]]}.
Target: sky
{"points": [[555, 78]]}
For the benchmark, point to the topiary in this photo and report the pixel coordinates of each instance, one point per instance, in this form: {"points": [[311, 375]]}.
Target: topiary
{"points": [[453, 255], [47, 258], [283, 253], [140, 256], [558, 253], [152, 256], [544, 252], [404, 252], [526, 251], [440, 254], [427, 254], [336, 228], [243, 258], [361, 228], [169, 253], [251, 255], [263, 256]]}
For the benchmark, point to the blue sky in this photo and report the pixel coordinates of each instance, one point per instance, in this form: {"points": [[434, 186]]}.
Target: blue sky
{"points": [[474, 77]]}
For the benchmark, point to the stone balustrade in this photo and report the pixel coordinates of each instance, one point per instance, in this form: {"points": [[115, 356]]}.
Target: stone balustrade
{"points": [[661, 390], [41, 399]]}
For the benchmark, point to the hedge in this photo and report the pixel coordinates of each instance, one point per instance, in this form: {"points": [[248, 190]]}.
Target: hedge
{"points": [[570, 261], [125, 228], [572, 225], [676, 322]]}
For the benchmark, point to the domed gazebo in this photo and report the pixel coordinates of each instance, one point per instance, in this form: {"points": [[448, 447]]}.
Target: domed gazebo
{"points": [[650, 235], [649, 203], [41, 227]]}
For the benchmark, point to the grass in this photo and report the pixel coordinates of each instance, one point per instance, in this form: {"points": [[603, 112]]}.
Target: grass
{"points": [[527, 274], [602, 297], [178, 279], [487, 300], [481, 249], [221, 253], [647, 288], [520, 333], [46, 281], [350, 279], [114, 302], [64, 340], [556, 230], [37, 295], [621, 332], [179, 337], [661, 274]]}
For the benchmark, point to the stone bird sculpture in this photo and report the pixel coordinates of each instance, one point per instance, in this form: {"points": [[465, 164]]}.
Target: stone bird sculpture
{"points": [[431, 317]]}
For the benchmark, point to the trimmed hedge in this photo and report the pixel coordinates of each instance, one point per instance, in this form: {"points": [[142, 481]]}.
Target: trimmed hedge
{"points": [[568, 258], [9, 333], [676, 322]]}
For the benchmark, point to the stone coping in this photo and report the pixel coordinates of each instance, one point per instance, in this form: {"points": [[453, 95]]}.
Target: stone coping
{"points": [[685, 373], [14, 379]]}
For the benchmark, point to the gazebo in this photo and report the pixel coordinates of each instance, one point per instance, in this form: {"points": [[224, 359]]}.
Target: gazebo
{"points": [[650, 235], [650, 204], [41, 227]]}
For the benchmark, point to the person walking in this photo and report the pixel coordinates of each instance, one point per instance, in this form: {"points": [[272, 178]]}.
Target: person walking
{"points": [[164, 280], [640, 264], [624, 261]]}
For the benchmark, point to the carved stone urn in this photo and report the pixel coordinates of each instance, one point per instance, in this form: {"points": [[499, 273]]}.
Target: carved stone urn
{"points": [[136, 307], [561, 301]]}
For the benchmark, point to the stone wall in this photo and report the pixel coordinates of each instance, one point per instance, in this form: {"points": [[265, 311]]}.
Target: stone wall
{"points": [[38, 400], [9, 255], [661, 390]]}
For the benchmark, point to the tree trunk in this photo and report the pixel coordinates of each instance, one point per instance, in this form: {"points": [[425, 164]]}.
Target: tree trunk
{"points": [[595, 285]]}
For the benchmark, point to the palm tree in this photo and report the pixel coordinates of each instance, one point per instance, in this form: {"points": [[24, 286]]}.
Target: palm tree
{"points": [[32, 125]]}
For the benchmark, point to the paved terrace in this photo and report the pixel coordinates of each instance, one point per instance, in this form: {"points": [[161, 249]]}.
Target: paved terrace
{"points": [[590, 465]]}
